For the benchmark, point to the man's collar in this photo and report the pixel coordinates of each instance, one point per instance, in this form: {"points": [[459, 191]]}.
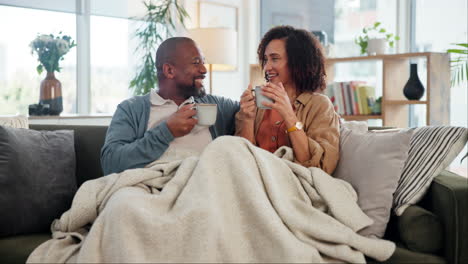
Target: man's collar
{"points": [[156, 99]]}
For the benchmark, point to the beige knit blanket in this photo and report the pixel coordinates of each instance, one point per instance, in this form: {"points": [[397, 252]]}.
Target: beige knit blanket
{"points": [[233, 203]]}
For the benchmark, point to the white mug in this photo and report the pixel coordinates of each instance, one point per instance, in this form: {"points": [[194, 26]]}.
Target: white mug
{"points": [[259, 98], [206, 114]]}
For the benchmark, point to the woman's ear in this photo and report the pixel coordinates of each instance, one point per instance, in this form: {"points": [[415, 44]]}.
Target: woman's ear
{"points": [[168, 70]]}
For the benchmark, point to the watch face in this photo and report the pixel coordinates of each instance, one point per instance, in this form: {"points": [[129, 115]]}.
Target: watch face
{"points": [[299, 125]]}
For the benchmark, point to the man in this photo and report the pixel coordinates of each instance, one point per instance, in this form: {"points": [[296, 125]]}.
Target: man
{"points": [[160, 124]]}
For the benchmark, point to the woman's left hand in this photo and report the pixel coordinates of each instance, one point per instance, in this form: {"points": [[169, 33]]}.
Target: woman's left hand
{"points": [[282, 103]]}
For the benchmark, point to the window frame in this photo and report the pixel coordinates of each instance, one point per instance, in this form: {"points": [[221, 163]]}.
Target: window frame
{"points": [[83, 57]]}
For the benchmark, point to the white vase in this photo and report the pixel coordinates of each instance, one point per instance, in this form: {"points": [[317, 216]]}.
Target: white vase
{"points": [[376, 46]]}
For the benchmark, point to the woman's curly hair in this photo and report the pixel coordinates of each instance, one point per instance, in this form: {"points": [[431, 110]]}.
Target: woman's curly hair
{"points": [[306, 61]]}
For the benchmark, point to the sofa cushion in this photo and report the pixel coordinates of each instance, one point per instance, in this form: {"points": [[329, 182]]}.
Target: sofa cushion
{"points": [[356, 126], [14, 121], [88, 143], [432, 149], [420, 230], [372, 163], [37, 178]]}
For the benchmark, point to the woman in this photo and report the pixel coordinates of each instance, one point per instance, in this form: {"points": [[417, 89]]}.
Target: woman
{"points": [[301, 116]]}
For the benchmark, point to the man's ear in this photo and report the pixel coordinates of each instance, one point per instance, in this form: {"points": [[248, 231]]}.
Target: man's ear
{"points": [[168, 70]]}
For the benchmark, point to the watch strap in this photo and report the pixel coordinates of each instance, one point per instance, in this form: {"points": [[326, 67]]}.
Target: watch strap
{"points": [[291, 129]]}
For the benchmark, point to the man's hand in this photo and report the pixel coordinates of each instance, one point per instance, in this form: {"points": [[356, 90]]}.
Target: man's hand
{"points": [[181, 122], [247, 105]]}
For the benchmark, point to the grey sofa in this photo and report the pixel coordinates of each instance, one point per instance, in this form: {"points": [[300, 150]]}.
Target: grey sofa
{"points": [[447, 199]]}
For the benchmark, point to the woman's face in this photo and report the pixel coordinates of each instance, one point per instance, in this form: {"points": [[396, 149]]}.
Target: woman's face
{"points": [[276, 62]]}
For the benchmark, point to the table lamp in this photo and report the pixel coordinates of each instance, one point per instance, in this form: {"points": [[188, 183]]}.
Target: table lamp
{"points": [[219, 45]]}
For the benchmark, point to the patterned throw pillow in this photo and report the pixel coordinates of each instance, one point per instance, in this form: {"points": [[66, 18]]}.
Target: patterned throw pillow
{"points": [[14, 121], [432, 149]]}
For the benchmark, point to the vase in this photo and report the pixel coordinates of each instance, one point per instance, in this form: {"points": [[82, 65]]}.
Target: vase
{"points": [[51, 94], [413, 89], [376, 46]]}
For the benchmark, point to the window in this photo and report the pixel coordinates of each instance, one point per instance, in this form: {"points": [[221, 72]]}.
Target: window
{"points": [[353, 15], [439, 35], [105, 55], [112, 62], [368, 5], [19, 81]]}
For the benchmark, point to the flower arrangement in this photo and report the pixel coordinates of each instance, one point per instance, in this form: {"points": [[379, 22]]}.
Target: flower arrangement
{"points": [[50, 50]]}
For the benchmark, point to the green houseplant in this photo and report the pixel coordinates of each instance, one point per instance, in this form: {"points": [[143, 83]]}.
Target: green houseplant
{"points": [[459, 65], [157, 25], [374, 32]]}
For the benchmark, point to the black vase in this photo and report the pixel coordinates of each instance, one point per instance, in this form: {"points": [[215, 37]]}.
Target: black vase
{"points": [[414, 89]]}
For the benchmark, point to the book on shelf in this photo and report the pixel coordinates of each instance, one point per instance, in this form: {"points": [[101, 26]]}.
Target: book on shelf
{"points": [[329, 92], [347, 98], [355, 95], [367, 95], [351, 98]]}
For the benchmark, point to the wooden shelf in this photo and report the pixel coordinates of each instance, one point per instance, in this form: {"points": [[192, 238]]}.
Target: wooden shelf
{"points": [[403, 102], [361, 117], [395, 74], [382, 57]]}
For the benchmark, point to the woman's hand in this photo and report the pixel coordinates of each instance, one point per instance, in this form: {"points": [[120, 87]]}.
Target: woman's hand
{"points": [[282, 102], [247, 105]]}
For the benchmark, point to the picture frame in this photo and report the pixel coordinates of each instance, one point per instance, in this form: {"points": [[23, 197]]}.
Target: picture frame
{"points": [[217, 15]]}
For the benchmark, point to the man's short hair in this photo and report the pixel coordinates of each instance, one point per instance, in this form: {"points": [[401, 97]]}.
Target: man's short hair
{"points": [[167, 52]]}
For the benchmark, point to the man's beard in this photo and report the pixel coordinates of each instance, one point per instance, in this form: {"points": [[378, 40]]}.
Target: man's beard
{"points": [[190, 90]]}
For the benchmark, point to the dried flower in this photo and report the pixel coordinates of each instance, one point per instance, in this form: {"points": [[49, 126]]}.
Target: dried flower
{"points": [[50, 50]]}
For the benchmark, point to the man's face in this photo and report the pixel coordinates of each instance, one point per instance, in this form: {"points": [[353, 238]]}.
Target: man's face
{"points": [[190, 71]]}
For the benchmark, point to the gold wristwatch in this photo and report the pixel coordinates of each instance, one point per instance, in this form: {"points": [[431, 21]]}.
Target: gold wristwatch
{"points": [[297, 126]]}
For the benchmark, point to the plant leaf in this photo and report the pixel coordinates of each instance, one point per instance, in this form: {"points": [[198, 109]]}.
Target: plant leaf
{"points": [[39, 69], [457, 51], [376, 24], [462, 45], [466, 71]]}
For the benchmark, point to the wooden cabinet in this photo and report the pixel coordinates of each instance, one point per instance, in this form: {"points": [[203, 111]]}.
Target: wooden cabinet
{"points": [[395, 74]]}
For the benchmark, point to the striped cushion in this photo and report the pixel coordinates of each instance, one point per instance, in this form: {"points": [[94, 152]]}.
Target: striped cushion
{"points": [[432, 149]]}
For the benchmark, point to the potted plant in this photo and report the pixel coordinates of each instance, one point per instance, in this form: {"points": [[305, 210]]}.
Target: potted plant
{"points": [[373, 39], [157, 25], [376, 106], [459, 65]]}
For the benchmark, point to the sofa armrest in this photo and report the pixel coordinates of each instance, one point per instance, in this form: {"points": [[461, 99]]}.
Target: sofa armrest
{"points": [[448, 196]]}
